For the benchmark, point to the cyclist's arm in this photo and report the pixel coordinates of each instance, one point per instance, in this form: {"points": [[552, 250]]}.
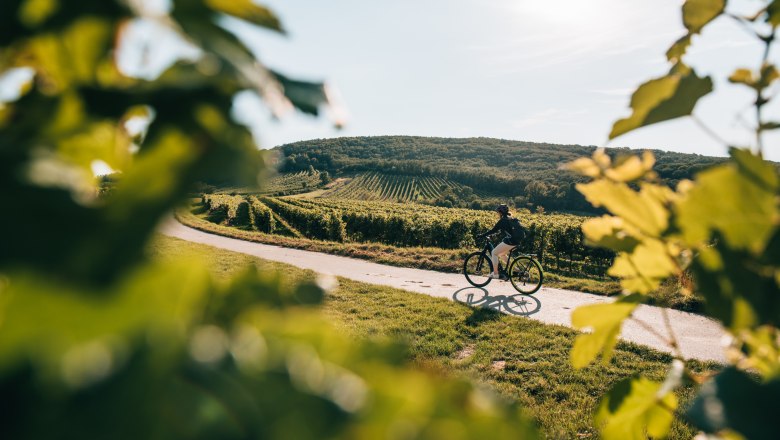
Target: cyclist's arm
{"points": [[495, 229]]}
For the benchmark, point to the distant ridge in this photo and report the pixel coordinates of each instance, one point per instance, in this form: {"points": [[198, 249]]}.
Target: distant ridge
{"points": [[526, 173]]}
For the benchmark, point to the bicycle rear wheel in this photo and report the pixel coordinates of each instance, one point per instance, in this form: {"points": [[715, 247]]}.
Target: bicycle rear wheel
{"points": [[477, 268], [526, 275]]}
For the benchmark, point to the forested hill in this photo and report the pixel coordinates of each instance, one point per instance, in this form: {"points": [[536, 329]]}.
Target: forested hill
{"points": [[527, 172]]}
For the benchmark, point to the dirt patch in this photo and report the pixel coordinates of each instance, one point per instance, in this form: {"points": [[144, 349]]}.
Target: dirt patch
{"points": [[467, 352], [498, 365], [338, 182]]}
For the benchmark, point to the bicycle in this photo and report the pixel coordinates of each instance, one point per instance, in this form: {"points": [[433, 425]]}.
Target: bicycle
{"points": [[524, 272]]}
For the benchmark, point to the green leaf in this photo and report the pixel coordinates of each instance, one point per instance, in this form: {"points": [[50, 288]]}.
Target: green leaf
{"points": [[304, 95], [773, 13], [664, 98], [44, 320], [99, 141], [734, 401], [769, 74], [34, 12], [743, 76], [604, 321], [630, 168], [247, 10], [678, 49], [609, 232], [771, 125], [584, 166], [756, 168], [697, 13], [738, 290], [633, 409], [733, 199], [644, 210], [71, 57], [762, 350], [87, 41], [643, 269], [764, 79]]}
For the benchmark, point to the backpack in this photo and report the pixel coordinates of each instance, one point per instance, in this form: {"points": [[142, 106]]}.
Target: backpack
{"points": [[518, 231]]}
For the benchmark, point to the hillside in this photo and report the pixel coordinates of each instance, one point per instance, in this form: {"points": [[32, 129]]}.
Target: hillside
{"points": [[525, 173]]}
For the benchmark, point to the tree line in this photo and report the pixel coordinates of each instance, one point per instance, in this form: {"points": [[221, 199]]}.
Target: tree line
{"points": [[526, 173]]}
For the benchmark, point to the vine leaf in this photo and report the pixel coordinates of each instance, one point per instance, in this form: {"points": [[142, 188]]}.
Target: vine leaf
{"points": [[773, 13], [743, 405], [738, 290], [755, 168], [642, 270], [771, 125], [697, 13], [604, 320], [664, 98], [247, 10], [75, 316], [736, 200], [766, 76], [679, 48], [33, 13], [644, 210], [630, 168], [609, 232], [742, 76], [584, 166], [634, 408]]}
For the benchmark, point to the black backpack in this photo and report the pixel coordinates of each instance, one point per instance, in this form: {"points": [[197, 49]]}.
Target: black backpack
{"points": [[518, 231]]}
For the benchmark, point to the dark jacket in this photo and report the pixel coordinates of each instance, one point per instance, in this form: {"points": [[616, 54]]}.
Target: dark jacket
{"points": [[511, 227]]}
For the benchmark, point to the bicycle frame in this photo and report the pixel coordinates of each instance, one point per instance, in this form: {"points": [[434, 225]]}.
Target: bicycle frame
{"points": [[527, 274], [515, 252]]}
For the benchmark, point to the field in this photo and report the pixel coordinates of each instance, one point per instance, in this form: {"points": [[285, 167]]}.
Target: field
{"points": [[281, 184], [518, 358], [412, 235], [396, 188], [555, 239], [370, 186]]}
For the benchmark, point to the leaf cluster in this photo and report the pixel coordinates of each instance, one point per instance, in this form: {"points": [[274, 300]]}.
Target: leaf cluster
{"points": [[98, 342], [721, 227]]}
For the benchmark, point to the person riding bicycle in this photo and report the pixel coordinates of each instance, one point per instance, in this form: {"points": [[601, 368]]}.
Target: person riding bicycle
{"points": [[514, 234]]}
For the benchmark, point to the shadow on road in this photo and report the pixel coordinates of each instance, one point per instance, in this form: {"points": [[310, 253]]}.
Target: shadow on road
{"points": [[520, 305]]}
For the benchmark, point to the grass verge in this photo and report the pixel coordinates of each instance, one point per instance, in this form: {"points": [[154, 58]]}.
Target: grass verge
{"points": [[518, 358]]}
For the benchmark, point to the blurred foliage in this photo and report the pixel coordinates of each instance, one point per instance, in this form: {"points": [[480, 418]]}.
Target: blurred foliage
{"points": [[722, 227], [99, 343]]}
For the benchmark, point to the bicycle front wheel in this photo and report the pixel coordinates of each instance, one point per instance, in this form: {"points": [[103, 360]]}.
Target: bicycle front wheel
{"points": [[477, 268], [526, 275]]}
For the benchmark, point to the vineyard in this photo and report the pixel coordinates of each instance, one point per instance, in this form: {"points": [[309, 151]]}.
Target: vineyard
{"points": [[555, 239], [395, 188], [281, 184]]}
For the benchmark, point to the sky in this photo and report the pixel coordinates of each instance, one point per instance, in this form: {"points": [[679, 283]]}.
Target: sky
{"points": [[558, 71]]}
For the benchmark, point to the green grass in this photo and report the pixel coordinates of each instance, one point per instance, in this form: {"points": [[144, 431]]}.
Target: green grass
{"points": [[520, 359]]}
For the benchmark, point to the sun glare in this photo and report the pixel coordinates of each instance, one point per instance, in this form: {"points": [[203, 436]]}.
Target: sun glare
{"points": [[595, 19]]}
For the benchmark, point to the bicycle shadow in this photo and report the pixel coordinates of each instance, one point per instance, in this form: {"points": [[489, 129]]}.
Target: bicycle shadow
{"points": [[519, 305]]}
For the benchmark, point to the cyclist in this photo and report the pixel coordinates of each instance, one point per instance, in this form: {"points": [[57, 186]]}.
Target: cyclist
{"points": [[514, 234]]}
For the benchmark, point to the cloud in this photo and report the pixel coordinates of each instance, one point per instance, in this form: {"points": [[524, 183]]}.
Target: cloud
{"points": [[554, 116], [617, 91]]}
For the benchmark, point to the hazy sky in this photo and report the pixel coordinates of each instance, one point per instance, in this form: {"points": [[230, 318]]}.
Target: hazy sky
{"points": [[546, 71]]}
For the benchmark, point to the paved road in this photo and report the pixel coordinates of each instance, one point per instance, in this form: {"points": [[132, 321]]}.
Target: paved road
{"points": [[699, 337]]}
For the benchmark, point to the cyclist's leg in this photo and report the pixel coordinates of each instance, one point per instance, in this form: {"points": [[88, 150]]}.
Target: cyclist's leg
{"points": [[498, 251]]}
